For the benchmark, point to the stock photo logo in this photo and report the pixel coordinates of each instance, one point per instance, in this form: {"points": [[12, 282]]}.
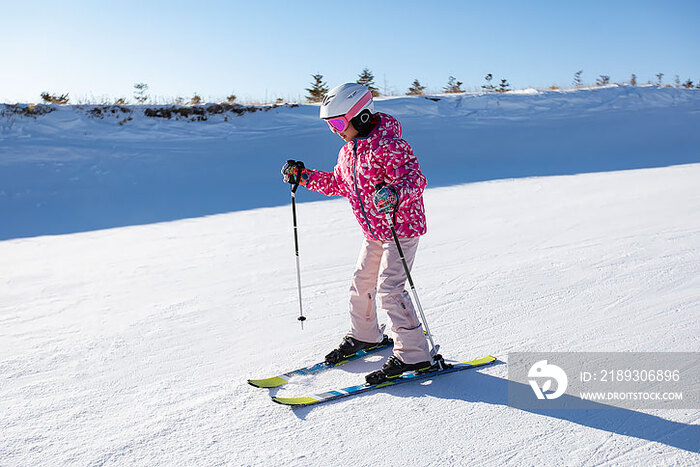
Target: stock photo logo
{"points": [[542, 370]]}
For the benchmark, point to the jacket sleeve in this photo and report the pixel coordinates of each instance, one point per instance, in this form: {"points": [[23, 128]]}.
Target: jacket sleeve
{"points": [[402, 171], [327, 183]]}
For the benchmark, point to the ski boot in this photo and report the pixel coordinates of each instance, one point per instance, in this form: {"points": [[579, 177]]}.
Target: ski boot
{"points": [[393, 368], [350, 346]]}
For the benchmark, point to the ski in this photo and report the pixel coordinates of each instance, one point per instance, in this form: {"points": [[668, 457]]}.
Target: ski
{"points": [[279, 380], [404, 378]]}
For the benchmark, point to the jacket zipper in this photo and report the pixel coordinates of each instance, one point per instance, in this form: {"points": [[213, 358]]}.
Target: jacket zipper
{"points": [[357, 191]]}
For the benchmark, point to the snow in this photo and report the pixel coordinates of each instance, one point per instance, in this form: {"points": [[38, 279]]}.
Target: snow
{"points": [[525, 91], [65, 172], [132, 345]]}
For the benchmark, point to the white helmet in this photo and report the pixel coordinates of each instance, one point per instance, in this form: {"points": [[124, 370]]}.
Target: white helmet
{"points": [[342, 99]]}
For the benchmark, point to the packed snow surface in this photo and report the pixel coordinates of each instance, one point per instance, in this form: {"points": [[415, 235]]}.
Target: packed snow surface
{"points": [[132, 345]]}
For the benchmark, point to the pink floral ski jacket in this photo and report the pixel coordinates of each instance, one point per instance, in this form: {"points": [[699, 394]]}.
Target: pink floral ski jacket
{"points": [[382, 156]]}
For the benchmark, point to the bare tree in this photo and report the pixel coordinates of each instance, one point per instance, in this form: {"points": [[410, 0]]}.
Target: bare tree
{"points": [[60, 99], [140, 92]]}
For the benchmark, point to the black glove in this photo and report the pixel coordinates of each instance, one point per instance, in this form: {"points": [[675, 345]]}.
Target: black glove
{"points": [[293, 172]]}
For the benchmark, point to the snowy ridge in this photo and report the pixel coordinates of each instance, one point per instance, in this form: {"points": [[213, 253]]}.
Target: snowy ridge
{"points": [[514, 105], [542, 103]]}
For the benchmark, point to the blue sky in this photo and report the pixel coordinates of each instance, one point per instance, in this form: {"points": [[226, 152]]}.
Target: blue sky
{"points": [[260, 50]]}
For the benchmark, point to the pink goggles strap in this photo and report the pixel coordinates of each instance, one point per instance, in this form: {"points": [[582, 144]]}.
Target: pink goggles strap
{"points": [[361, 103]]}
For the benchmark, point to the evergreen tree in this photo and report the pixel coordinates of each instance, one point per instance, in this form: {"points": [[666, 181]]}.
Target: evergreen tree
{"points": [[633, 80], [604, 80], [577, 79], [196, 100], [453, 86], [488, 87], [688, 84], [416, 89], [678, 81], [318, 89], [503, 87], [367, 78], [659, 77]]}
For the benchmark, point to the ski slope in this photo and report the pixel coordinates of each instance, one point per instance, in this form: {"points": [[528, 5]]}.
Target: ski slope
{"points": [[132, 345]]}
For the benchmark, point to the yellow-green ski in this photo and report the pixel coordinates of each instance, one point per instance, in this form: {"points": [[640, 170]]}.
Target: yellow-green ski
{"points": [[404, 378], [280, 380]]}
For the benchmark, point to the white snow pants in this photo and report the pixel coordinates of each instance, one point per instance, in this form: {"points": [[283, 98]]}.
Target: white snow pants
{"points": [[379, 279]]}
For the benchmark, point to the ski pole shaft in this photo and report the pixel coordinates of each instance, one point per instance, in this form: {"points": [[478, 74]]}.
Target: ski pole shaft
{"points": [[301, 317], [433, 347]]}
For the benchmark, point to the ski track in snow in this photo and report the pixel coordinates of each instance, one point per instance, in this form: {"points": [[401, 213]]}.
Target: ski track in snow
{"points": [[132, 346]]}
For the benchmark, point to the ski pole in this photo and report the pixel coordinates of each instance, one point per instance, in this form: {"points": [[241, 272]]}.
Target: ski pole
{"points": [[433, 348], [301, 317]]}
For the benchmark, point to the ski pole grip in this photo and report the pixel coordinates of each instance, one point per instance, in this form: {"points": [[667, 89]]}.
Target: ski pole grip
{"points": [[294, 179]]}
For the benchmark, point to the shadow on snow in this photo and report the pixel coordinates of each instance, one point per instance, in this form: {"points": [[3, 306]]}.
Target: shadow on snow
{"points": [[484, 388]]}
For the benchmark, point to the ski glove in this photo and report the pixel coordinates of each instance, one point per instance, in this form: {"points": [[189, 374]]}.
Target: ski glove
{"points": [[294, 173], [385, 198]]}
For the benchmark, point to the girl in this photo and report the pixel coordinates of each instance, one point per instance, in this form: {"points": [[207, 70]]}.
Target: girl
{"points": [[378, 173]]}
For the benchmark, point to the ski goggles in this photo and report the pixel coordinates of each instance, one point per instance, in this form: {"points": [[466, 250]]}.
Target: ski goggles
{"points": [[341, 123]]}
